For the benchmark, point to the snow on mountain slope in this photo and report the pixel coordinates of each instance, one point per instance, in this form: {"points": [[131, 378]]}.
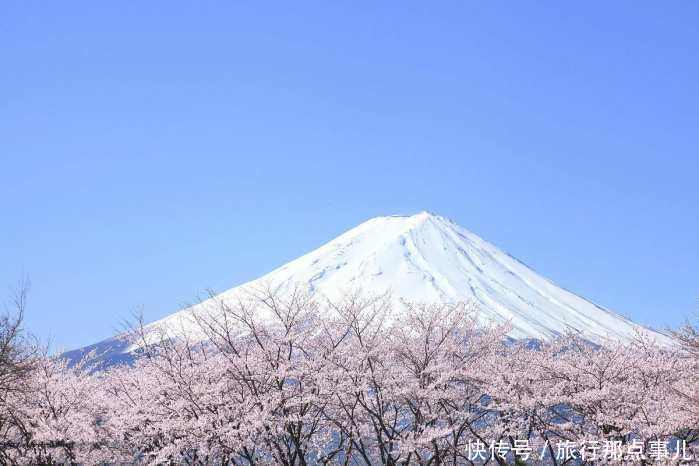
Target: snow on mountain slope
{"points": [[428, 258]]}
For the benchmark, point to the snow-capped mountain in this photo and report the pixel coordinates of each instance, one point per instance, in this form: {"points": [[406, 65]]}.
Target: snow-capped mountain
{"points": [[428, 258]]}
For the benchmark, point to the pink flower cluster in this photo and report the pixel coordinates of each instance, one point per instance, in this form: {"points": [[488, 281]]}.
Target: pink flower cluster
{"points": [[610, 451], [273, 382]]}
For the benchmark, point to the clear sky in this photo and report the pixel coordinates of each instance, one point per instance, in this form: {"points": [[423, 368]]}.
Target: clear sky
{"points": [[150, 150]]}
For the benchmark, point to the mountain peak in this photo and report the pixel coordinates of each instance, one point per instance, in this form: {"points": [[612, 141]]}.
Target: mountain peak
{"points": [[427, 258], [398, 224], [418, 217]]}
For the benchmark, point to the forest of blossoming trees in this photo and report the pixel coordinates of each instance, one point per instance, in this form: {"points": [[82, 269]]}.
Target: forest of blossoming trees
{"points": [[351, 383]]}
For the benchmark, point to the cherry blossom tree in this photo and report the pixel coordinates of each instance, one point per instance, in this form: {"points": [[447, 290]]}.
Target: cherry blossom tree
{"points": [[270, 379], [573, 391], [18, 356], [47, 409], [411, 391]]}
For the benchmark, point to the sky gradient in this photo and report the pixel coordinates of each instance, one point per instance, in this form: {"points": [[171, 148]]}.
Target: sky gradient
{"points": [[149, 151]]}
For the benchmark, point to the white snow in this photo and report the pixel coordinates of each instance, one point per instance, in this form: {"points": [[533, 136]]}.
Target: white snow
{"points": [[428, 258]]}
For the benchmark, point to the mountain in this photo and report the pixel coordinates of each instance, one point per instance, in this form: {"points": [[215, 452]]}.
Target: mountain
{"points": [[428, 258]]}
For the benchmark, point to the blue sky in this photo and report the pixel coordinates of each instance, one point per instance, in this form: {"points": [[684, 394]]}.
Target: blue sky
{"points": [[150, 150]]}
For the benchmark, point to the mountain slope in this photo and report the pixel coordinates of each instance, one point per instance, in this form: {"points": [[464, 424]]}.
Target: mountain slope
{"points": [[428, 258]]}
